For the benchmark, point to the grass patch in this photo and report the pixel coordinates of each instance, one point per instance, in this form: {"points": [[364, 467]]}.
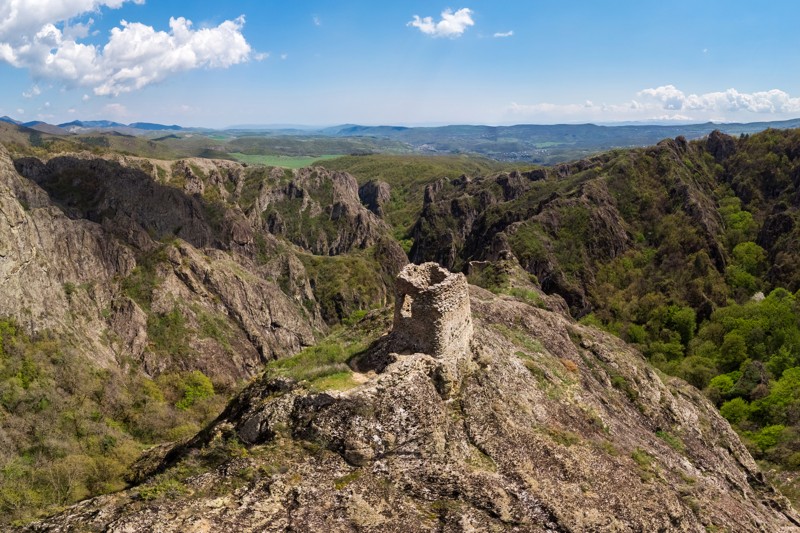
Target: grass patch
{"points": [[324, 359], [645, 463], [528, 296], [520, 338], [609, 448], [167, 488], [620, 383], [340, 381], [214, 326], [323, 365], [480, 461], [144, 278], [563, 437], [285, 161], [673, 441], [342, 482], [346, 285]]}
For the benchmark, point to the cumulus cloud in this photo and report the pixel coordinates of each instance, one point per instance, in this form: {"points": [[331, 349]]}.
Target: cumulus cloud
{"points": [[773, 101], [38, 36], [668, 103], [502, 34], [452, 24], [21, 18]]}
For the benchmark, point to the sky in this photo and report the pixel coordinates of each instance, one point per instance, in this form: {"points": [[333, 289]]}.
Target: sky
{"points": [[217, 64]]}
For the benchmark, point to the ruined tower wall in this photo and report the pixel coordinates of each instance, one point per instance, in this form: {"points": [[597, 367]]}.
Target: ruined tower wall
{"points": [[432, 313]]}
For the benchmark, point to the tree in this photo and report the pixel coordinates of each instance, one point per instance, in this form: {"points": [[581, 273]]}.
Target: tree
{"points": [[733, 352]]}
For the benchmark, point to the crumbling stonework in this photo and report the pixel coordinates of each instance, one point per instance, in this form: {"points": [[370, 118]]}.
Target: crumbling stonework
{"points": [[432, 313]]}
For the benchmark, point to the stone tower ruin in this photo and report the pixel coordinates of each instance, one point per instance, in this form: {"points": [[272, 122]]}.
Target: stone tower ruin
{"points": [[432, 313]]}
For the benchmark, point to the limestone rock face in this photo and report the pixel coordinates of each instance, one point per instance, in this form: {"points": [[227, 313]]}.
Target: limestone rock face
{"points": [[548, 426], [80, 234], [375, 194], [100, 190], [343, 223], [432, 313], [50, 265]]}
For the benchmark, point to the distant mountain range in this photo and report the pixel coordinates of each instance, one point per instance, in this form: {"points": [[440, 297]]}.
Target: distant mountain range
{"points": [[524, 142], [544, 144], [81, 126], [85, 126]]}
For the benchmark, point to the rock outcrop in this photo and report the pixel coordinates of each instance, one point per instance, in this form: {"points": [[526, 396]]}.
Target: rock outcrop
{"points": [[103, 247], [375, 194], [565, 225], [320, 211], [51, 265], [547, 426], [720, 145]]}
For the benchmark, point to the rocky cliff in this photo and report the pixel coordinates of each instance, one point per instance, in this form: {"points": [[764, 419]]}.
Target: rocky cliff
{"points": [[534, 423], [137, 294], [110, 244]]}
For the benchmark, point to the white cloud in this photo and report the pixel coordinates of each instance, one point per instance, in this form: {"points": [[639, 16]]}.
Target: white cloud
{"points": [[22, 18], [502, 34], [284, 56], [20, 111], [35, 91], [37, 37], [452, 24], [773, 101], [316, 20], [78, 30], [669, 95], [668, 103], [86, 98]]}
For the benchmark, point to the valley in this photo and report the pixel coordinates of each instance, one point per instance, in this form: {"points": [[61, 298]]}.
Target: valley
{"points": [[230, 318]]}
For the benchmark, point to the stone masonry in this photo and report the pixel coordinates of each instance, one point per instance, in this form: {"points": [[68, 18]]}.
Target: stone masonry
{"points": [[432, 313]]}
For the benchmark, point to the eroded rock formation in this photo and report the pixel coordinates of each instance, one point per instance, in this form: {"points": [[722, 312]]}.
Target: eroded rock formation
{"points": [[548, 426]]}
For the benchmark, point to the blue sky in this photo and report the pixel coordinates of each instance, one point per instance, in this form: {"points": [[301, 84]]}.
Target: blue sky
{"points": [[323, 62]]}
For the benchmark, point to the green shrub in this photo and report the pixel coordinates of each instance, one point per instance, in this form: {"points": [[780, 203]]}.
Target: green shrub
{"points": [[735, 410], [196, 387], [768, 437], [673, 441], [166, 488], [168, 333]]}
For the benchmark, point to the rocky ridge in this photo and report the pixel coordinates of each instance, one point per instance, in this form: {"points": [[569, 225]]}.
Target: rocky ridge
{"points": [[535, 423], [105, 247]]}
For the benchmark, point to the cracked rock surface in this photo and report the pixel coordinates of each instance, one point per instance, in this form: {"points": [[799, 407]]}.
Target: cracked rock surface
{"points": [[545, 425]]}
